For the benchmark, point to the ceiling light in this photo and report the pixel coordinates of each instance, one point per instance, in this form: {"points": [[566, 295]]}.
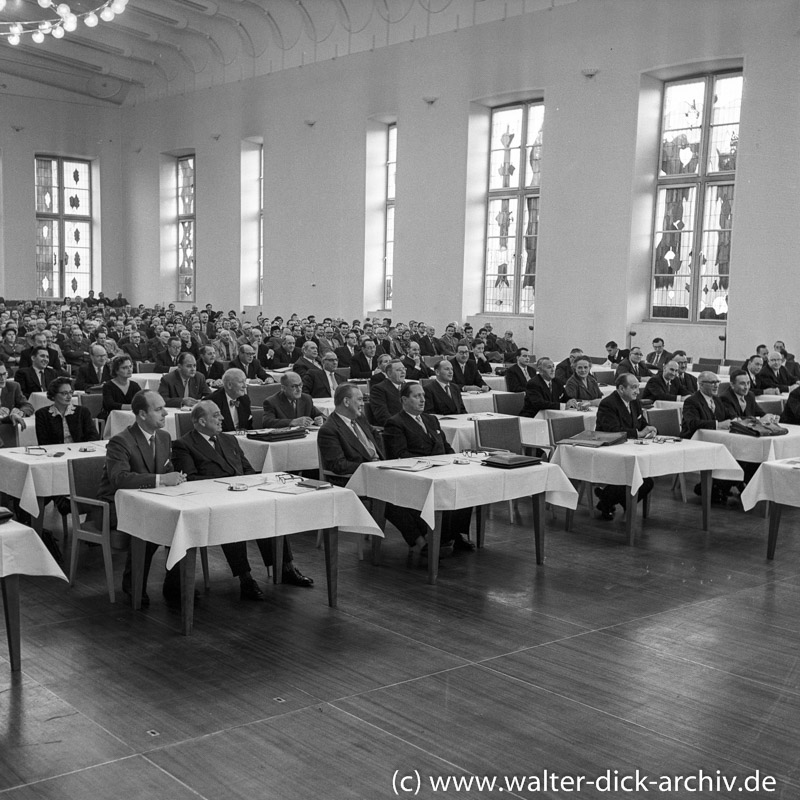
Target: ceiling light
{"points": [[66, 20]]}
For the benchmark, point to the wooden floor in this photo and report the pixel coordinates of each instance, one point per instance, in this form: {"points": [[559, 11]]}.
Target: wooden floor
{"points": [[678, 655]]}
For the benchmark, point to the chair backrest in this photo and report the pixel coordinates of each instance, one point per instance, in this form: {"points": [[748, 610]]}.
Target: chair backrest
{"points": [[733, 362], [343, 373], [667, 421], [145, 366], [505, 434], [604, 376], [94, 402], [708, 363], [508, 402], [724, 386], [597, 359], [258, 417], [183, 423], [84, 478], [430, 361], [258, 394], [9, 435], [423, 382], [329, 475], [564, 427]]}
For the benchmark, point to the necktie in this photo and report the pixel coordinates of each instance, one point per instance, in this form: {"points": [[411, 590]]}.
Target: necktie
{"points": [[234, 407], [332, 382], [186, 389], [153, 451], [365, 442], [421, 423], [711, 404]]}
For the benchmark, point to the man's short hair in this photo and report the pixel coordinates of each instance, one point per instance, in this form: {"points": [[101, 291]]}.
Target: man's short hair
{"points": [[658, 340], [679, 353], [232, 374], [103, 351], [405, 389], [520, 351], [736, 373], [439, 363], [330, 356], [307, 345], [540, 362], [612, 343], [36, 348], [750, 359], [140, 401], [173, 339], [622, 380], [207, 348], [183, 356], [199, 411], [343, 391], [575, 351], [286, 376]]}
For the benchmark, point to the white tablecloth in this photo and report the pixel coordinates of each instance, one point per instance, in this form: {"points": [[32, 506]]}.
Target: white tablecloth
{"points": [[772, 403], [289, 456], [589, 417], [459, 429], [39, 400], [22, 552], [147, 380], [495, 382], [755, 448], [212, 515], [628, 464], [30, 476], [119, 420], [775, 481], [443, 488]]}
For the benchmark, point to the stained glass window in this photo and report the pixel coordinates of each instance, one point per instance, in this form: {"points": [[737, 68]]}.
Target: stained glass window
{"points": [[186, 228], [63, 193], [388, 242], [694, 197], [512, 222]]}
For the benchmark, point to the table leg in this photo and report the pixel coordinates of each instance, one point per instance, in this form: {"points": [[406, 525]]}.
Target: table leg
{"points": [[10, 590], [138, 547], [434, 544], [705, 495], [630, 516], [538, 525], [774, 512], [277, 559], [330, 537], [481, 513], [188, 565], [379, 514]]}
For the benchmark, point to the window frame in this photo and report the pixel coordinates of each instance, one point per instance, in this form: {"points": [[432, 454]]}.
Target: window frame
{"points": [[181, 219], [702, 183], [390, 199]]}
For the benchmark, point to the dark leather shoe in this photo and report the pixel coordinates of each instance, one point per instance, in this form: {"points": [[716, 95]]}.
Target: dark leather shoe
{"points": [[463, 544], [145, 597], [251, 591], [296, 578], [606, 513]]}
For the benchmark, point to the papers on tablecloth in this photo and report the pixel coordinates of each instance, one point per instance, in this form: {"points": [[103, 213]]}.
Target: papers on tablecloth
{"points": [[411, 464], [287, 488], [171, 491]]}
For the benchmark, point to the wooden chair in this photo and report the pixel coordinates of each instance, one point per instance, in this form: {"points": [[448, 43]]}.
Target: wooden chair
{"points": [[183, 423], [510, 403], [258, 417], [94, 402], [667, 422], [258, 394], [500, 435], [145, 366], [9, 434], [605, 376], [343, 373], [710, 364], [562, 428]]}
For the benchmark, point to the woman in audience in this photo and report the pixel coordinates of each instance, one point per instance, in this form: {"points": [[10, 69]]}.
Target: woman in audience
{"points": [[63, 422], [583, 386], [9, 349], [119, 391]]}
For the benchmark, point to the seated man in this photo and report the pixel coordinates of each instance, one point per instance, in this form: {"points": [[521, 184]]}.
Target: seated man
{"points": [[14, 408], [791, 411], [184, 387], [346, 441], [686, 382], [753, 367], [416, 368], [384, 397], [135, 347], [205, 452], [138, 458], [479, 356], [384, 359], [465, 370], [38, 376], [507, 347], [442, 396], [615, 355], [246, 361], [96, 372], [347, 351], [566, 369], [291, 407], [544, 391], [774, 378], [309, 359], [664, 386], [364, 364], [285, 355], [167, 359], [209, 367], [414, 433], [659, 356], [635, 364], [323, 382], [517, 377], [619, 412], [232, 400]]}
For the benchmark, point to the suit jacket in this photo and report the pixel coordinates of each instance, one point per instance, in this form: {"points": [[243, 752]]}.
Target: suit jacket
{"points": [[11, 396], [427, 345], [138, 352], [232, 352], [194, 455], [539, 398], [343, 354], [437, 401], [687, 383], [516, 380], [281, 359], [642, 370], [279, 413], [414, 373], [359, 368], [254, 371], [614, 417], [165, 362], [130, 463], [55, 360], [384, 401], [697, 414], [303, 365], [29, 382], [326, 346], [620, 355], [339, 447], [212, 373], [87, 376], [245, 414], [659, 359], [733, 410], [467, 375], [75, 354], [768, 380], [564, 370], [171, 388], [657, 389], [316, 383], [50, 430], [791, 411], [404, 437], [575, 388]]}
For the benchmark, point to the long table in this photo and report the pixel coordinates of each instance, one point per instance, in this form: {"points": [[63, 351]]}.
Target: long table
{"points": [[629, 464], [755, 448], [22, 552], [448, 486], [292, 455], [206, 513]]}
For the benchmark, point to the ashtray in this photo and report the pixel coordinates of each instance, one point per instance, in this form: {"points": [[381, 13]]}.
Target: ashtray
{"points": [[237, 487]]}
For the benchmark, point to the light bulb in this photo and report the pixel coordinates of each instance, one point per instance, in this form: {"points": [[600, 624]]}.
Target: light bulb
{"points": [[107, 14], [16, 29], [58, 32], [13, 39], [118, 6], [70, 22], [46, 26], [45, 3], [90, 20], [38, 37], [2, 4], [62, 9]]}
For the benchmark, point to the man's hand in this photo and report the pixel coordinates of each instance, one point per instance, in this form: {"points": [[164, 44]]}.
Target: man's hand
{"points": [[571, 404], [172, 479], [768, 418], [485, 388], [319, 420], [648, 432], [188, 402], [303, 422], [725, 425]]}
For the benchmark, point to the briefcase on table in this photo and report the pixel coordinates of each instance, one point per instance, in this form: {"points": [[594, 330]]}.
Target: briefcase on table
{"points": [[510, 461], [595, 439], [277, 434], [750, 426]]}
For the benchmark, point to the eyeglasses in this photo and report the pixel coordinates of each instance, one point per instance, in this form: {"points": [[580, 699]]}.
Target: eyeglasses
{"points": [[711, 383]]}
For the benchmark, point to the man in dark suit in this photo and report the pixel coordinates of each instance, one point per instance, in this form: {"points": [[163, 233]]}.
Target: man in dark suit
{"points": [[40, 340], [566, 369], [136, 348], [323, 382], [291, 407], [285, 355], [233, 402], [615, 355], [247, 362], [208, 366], [205, 452], [416, 368], [442, 396], [346, 352], [621, 412], [168, 359], [739, 401], [184, 387], [753, 366], [38, 376], [664, 386], [465, 370], [384, 397], [544, 391], [76, 348], [774, 378], [414, 433], [425, 339], [308, 360], [139, 458], [704, 409], [659, 356], [365, 362], [13, 405], [96, 372], [686, 382], [636, 365], [517, 377]]}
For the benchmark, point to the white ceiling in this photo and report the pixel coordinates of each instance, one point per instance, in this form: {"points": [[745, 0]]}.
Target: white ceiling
{"points": [[161, 48]]}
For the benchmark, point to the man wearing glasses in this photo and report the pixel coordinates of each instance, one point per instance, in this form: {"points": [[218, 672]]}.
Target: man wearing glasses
{"points": [[635, 365], [291, 406]]}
